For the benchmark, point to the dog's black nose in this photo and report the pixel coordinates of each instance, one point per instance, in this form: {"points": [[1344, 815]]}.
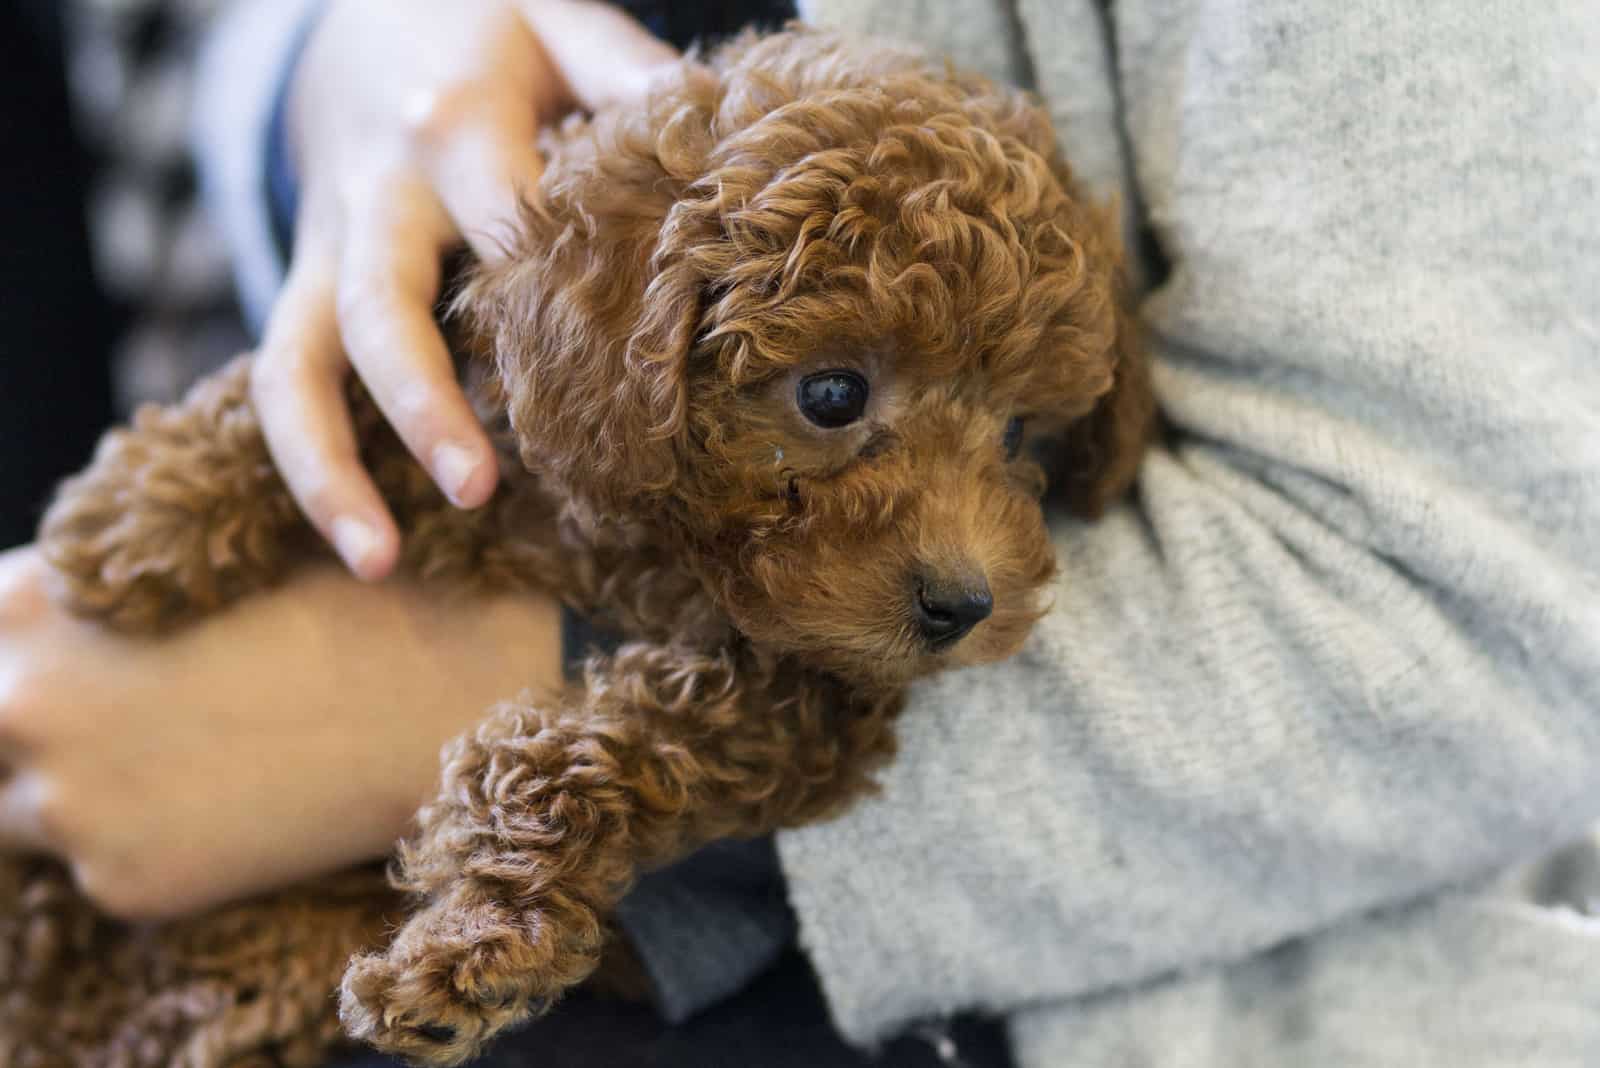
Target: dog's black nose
{"points": [[947, 611]]}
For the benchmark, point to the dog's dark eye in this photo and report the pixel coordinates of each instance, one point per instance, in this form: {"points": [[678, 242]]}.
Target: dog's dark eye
{"points": [[1011, 441], [832, 399]]}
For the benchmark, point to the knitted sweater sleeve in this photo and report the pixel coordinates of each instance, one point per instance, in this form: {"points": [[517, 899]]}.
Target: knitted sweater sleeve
{"points": [[1343, 647]]}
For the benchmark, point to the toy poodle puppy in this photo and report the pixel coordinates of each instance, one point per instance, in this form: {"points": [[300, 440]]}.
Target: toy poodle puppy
{"points": [[777, 367]]}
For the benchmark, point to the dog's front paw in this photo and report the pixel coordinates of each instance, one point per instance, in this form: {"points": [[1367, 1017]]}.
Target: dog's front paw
{"points": [[178, 515], [455, 977], [414, 1010]]}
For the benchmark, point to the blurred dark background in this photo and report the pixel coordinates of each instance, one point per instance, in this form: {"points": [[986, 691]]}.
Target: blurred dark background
{"points": [[56, 323]]}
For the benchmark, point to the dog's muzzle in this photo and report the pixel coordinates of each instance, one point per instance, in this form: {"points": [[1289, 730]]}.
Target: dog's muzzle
{"points": [[946, 610]]}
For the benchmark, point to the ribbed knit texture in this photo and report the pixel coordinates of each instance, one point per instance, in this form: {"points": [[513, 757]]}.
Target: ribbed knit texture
{"points": [[1343, 649]]}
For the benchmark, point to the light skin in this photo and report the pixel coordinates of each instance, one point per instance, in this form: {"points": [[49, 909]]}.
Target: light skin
{"points": [[292, 736], [413, 124], [298, 732]]}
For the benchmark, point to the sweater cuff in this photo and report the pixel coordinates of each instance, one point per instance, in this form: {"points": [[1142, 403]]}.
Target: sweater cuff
{"points": [[244, 67]]}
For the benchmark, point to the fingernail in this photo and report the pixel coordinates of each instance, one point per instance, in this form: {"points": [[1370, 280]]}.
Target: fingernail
{"points": [[453, 465], [355, 541]]}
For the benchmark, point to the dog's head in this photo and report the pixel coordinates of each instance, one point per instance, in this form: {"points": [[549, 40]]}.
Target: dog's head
{"points": [[815, 312]]}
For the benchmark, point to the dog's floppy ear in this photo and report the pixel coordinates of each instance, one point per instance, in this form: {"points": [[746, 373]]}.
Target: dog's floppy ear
{"points": [[1103, 450], [1100, 455], [1097, 457], [591, 318]]}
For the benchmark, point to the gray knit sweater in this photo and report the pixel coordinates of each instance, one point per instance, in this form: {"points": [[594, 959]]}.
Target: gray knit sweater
{"points": [[1240, 801], [1343, 649]]}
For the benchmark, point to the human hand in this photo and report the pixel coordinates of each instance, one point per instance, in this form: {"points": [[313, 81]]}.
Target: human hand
{"points": [[293, 735], [413, 125]]}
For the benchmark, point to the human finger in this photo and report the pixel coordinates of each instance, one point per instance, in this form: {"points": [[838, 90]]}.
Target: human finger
{"points": [[388, 284], [481, 174], [603, 54], [297, 384], [477, 141]]}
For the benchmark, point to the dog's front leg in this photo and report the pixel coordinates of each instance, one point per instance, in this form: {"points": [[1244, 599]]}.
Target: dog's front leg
{"points": [[547, 812], [178, 515], [183, 512]]}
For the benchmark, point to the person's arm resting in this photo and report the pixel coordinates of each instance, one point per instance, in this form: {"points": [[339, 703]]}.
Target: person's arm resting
{"points": [[1344, 646]]}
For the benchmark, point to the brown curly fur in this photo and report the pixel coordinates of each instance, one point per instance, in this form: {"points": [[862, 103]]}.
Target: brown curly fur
{"points": [[796, 203]]}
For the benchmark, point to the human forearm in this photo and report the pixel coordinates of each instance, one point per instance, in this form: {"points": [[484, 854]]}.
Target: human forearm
{"points": [[294, 734]]}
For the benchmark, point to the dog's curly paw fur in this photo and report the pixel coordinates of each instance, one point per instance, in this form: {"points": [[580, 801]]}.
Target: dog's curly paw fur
{"points": [[457, 975], [178, 515]]}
